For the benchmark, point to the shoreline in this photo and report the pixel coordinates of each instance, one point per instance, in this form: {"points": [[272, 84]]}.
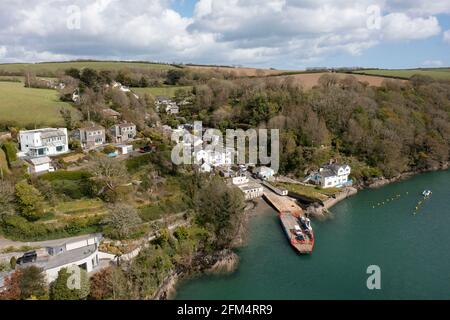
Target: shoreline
{"points": [[222, 262], [228, 262]]}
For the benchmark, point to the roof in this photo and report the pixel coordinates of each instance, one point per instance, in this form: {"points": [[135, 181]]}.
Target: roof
{"points": [[161, 98], [250, 186], [69, 257], [110, 112], [263, 169], [327, 173], [57, 243], [39, 161], [126, 125], [43, 130], [92, 128]]}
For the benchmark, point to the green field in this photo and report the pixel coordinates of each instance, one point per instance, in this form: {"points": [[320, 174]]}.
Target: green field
{"points": [[27, 107], [161, 91], [436, 73], [46, 69]]}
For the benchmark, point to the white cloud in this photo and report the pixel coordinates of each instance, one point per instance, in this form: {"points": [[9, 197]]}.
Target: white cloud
{"points": [[432, 63], [447, 36], [252, 32], [399, 26]]}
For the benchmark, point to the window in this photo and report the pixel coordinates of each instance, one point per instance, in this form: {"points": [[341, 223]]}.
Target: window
{"points": [[59, 148]]}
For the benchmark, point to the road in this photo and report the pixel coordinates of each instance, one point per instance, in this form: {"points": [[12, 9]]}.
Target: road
{"points": [[5, 243]]}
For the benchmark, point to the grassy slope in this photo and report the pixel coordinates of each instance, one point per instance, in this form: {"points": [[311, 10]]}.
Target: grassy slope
{"points": [[161, 91], [43, 68], [26, 106], [441, 74]]}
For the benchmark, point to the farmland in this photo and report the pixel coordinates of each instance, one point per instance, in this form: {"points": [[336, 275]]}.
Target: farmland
{"points": [[161, 91], [309, 80], [436, 73], [27, 107], [53, 68]]}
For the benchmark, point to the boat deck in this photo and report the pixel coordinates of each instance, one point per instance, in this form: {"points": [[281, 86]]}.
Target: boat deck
{"points": [[289, 222]]}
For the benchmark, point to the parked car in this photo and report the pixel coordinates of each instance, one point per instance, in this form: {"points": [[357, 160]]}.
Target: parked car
{"points": [[27, 257]]}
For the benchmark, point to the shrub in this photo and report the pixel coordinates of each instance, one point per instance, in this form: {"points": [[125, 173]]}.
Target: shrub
{"points": [[10, 151], [66, 175], [29, 200]]}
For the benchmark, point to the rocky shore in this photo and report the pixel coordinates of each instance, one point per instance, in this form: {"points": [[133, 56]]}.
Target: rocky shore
{"points": [[225, 261], [380, 182]]}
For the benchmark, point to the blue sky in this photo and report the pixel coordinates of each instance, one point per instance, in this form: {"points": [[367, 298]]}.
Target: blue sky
{"points": [[284, 34]]}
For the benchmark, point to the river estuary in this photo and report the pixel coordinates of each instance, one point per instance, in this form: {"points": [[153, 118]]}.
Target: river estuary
{"points": [[412, 251]]}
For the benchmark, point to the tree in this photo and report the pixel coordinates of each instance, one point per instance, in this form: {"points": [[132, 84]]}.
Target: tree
{"points": [[89, 77], [100, 285], [33, 283], [13, 262], [73, 72], [221, 210], [174, 76], [107, 176], [121, 221], [6, 198], [12, 287], [25, 283], [60, 290], [67, 117], [29, 200]]}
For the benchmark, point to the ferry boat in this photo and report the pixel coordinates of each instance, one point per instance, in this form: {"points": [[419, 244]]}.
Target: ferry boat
{"points": [[300, 235], [426, 193]]}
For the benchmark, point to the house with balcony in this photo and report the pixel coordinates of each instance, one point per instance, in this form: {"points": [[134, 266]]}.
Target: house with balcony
{"points": [[90, 136], [332, 175], [123, 132], [43, 142]]}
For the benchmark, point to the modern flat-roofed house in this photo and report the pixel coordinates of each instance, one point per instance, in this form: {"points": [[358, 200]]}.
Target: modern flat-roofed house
{"points": [[90, 136], [81, 251], [123, 132], [44, 142], [39, 165], [332, 175]]}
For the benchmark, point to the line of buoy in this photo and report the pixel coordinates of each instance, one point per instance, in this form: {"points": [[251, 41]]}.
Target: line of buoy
{"points": [[387, 201]]}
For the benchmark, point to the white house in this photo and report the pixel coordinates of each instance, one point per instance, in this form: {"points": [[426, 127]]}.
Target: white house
{"points": [[121, 87], [205, 168], [167, 104], [44, 142], [264, 172], [252, 191], [240, 180], [124, 149], [39, 165], [82, 252], [332, 176], [215, 158]]}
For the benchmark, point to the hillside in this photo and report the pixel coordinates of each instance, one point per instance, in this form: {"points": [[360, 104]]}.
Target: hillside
{"points": [[52, 68], [309, 80], [435, 73], [27, 107]]}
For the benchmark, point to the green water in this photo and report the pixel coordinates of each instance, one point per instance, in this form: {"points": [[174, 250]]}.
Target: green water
{"points": [[413, 251]]}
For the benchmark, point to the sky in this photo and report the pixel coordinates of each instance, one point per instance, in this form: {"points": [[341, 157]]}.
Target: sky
{"points": [[282, 34]]}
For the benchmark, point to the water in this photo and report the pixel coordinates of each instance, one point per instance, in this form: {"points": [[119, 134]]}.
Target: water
{"points": [[413, 251]]}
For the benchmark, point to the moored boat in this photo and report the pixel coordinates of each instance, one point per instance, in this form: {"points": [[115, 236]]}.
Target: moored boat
{"points": [[301, 238]]}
